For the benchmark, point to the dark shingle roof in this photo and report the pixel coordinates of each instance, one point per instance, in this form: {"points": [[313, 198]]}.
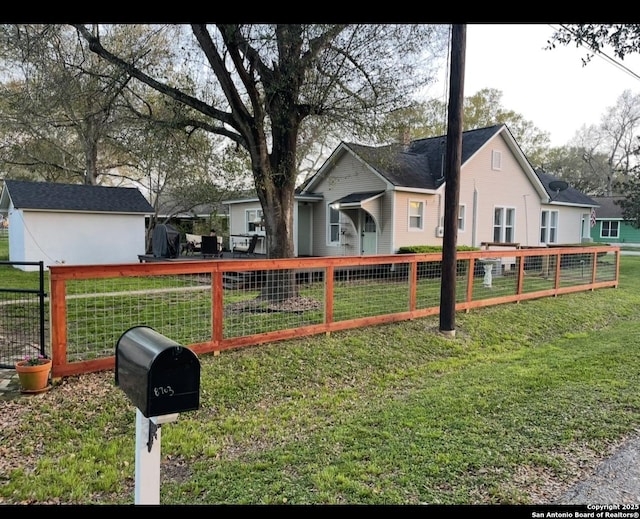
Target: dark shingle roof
{"points": [[398, 166], [356, 198], [76, 197], [570, 195], [608, 206], [421, 164]]}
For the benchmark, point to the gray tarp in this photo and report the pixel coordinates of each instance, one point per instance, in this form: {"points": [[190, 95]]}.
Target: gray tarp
{"points": [[165, 241]]}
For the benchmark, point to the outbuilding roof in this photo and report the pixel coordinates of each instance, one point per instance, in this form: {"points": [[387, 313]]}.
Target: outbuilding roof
{"points": [[48, 196]]}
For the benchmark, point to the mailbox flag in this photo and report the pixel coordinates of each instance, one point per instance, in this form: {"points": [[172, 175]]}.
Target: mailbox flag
{"points": [[593, 216]]}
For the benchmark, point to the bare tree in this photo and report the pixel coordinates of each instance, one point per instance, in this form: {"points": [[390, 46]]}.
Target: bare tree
{"points": [[609, 150], [624, 39], [620, 129], [580, 164], [180, 171]]}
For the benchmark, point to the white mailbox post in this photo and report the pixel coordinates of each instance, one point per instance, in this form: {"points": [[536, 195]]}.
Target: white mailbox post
{"points": [[162, 379], [148, 435]]}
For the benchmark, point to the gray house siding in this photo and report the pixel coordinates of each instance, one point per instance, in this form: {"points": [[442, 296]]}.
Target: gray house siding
{"points": [[349, 175]]}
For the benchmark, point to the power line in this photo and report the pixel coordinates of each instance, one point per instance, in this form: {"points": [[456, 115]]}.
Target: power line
{"points": [[602, 55]]}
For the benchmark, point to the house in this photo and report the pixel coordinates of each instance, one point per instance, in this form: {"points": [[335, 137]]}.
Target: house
{"points": [[73, 223], [609, 226], [373, 200], [201, 216]]}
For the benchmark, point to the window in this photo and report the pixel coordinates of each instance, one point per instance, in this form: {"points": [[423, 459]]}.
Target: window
{"points": [[609, 229], [549, 227], [334, 225], [496, 160], [461, 214], [416, 215], [503, 224], [254, 220]]}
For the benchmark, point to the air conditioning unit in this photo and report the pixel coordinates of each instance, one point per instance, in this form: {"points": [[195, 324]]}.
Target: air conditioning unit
{"points": [[439, 232]]}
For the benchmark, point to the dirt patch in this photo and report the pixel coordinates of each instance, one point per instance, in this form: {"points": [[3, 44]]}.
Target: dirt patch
{"points": [[292, 305]]}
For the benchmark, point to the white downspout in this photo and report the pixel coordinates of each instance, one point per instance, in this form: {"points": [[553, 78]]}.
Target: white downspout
{"points": [[474, 226]]}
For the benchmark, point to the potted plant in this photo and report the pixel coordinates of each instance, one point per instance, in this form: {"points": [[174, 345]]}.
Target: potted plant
{"points": [[33, 373]]}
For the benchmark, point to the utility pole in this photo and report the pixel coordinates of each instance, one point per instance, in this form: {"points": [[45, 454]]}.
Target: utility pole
{"points": [[453, 162]]}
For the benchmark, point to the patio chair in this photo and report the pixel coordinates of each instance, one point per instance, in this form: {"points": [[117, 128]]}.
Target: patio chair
{"points": [[210, 247], [246, 250]]}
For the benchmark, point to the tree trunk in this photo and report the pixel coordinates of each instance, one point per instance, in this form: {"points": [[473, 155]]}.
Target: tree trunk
{"points": [[90, 140], [277, 199]]}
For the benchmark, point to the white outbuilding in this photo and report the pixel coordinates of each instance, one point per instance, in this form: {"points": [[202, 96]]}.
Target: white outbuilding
{"points": [[73, 224]]}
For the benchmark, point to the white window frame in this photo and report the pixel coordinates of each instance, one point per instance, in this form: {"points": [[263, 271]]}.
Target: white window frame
{"points": [[610, 232], [504, 224], [496, 160], [333, 225], [462, 212], [413, 215], [549, 226], [251, 216]]}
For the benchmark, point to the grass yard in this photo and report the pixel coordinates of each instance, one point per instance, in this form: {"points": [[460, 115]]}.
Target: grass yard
{"points": [[524, 400]]}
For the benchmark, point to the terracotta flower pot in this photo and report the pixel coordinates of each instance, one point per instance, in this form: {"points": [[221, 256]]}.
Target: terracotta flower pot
{"points": [[34, 379]]}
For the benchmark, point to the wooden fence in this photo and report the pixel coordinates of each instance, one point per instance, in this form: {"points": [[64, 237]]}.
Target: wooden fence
{"points": [[214, 305]]}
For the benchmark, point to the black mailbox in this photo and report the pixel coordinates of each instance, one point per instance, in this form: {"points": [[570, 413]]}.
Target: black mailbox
{"points": [[159, 375]]}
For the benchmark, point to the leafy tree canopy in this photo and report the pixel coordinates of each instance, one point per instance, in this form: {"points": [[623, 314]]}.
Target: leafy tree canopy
{"points": [[623, 38], [260, 85], [631, 203]]}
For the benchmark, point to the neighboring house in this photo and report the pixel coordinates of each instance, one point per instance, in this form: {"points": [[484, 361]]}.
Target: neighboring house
{"points": [[374, 200], [610, 226], [73, 224], [205, 215]]}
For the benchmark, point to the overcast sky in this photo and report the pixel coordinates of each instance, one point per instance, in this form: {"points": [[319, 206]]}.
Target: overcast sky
{"points": [[550, 88]]}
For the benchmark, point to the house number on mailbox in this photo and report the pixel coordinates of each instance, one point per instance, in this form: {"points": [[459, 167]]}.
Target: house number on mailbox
{"points": [[163, 391]]}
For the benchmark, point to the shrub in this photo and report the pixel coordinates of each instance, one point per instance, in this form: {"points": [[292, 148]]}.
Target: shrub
{"points": [[425, 249]]}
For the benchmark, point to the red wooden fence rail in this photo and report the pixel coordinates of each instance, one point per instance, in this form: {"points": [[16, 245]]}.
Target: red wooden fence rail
{"points": [[60, 274]]}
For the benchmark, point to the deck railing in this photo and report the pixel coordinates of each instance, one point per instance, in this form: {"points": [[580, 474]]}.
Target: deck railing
{"points": [[214, 305]]}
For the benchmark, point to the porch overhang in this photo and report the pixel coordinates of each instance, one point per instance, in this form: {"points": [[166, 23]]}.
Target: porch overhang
{"points": [[356, 200]]}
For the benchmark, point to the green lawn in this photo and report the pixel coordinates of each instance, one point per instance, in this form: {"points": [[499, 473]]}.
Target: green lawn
{"points": [[509, 411]]}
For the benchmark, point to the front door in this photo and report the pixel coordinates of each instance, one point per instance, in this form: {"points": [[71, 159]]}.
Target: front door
{"points": [[369, 236]]}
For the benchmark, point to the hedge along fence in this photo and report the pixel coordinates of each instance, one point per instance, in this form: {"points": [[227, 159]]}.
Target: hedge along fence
{"points": [[215, 305]]}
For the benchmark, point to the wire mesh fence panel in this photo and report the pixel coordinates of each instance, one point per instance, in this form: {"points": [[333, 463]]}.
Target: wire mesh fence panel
{"points": [[99, 311], [463, 271], [19, 327], [495, 277], [429, 269], [272, 300], [429, 276], [184, 301], [575, 269], [606, 266], [24, 329], [370, 290], [539, 273]]}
